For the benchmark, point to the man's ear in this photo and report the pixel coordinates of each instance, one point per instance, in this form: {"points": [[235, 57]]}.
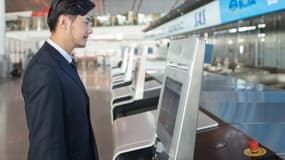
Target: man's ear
{"points": [[63, 22]]}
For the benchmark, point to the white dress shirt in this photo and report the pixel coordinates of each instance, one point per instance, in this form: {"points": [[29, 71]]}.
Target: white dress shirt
{"points": [[66, 55]]}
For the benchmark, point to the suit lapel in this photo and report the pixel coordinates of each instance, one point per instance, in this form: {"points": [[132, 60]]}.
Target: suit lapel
{"points": [[73, 74], [66, 67]]}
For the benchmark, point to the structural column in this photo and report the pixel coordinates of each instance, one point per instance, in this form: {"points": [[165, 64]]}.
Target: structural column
{"points": [[3, 65], [3, 112], [2, 27]]}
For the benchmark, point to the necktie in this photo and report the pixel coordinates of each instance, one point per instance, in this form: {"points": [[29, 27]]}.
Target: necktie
{"points": [[73, 64]]}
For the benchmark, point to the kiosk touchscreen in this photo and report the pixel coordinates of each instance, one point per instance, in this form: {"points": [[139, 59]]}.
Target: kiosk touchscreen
{"points": [[168, 111]]}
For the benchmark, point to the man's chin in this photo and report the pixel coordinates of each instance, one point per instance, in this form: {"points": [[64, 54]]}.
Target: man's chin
{"points": [[81, 45]]}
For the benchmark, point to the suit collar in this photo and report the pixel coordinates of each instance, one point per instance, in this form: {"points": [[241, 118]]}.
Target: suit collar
{"points": [[65, 66], [65, 54]]}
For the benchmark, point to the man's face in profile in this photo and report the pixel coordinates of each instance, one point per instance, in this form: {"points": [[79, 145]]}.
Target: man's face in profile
{"points": [[80, 29]]}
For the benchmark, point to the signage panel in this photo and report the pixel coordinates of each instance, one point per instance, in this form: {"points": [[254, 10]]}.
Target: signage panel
{"points": [[216, 13], [206, 16], [232, 10]]}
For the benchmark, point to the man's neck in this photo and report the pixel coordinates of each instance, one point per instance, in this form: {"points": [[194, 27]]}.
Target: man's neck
{"points": [[62, 43]]}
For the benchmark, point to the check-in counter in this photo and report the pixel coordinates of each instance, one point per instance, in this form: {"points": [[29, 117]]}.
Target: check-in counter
{"points": [[255, 109], [226, 142]]}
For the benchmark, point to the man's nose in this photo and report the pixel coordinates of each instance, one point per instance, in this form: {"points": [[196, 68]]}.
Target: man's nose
{"points": [[90, 30]]}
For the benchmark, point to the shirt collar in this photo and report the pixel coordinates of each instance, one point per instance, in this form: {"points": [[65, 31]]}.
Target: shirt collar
{"points": [[66, 55]]}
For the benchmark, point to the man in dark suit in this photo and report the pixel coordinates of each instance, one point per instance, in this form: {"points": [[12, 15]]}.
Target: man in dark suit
{"points": [[56, 102]]}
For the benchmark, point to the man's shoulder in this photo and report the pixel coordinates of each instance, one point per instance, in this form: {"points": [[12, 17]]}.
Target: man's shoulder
{"points": [[43, 56], [39, 75], [42, 63]]}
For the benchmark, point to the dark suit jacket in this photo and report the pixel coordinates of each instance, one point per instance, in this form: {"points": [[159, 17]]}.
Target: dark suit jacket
{"points": [[57, 110]]}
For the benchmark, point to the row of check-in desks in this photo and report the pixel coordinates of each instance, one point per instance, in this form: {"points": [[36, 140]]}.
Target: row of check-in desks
{"points": [[134, 121], [216, 139]]}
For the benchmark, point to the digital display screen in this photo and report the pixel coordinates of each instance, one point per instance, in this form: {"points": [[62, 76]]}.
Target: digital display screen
{"points": [[168, 111]]}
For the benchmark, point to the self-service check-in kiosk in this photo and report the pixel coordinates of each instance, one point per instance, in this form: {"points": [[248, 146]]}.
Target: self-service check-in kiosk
{"points": [[168, 133], [123, 67], [140, 92], [117, 64], [136, 85], [127, 76]]}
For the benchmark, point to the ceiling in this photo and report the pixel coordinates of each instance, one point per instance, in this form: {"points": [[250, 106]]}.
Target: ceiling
{"points": [[102, 6]]}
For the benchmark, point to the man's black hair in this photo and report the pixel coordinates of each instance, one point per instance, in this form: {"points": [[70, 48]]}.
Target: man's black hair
{"points": [[67, 7]]}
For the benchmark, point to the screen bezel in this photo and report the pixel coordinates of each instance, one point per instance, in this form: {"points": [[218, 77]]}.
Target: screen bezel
{"points": [[185, 66], [179, 76], [164, 136]]}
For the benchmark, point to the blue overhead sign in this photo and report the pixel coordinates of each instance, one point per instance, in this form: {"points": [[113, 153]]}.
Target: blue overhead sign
{"points": [[216, 13], [232, 10]]}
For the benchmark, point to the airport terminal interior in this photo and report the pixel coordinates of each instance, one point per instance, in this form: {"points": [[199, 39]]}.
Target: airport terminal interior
{"points": [[167, 80]]}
